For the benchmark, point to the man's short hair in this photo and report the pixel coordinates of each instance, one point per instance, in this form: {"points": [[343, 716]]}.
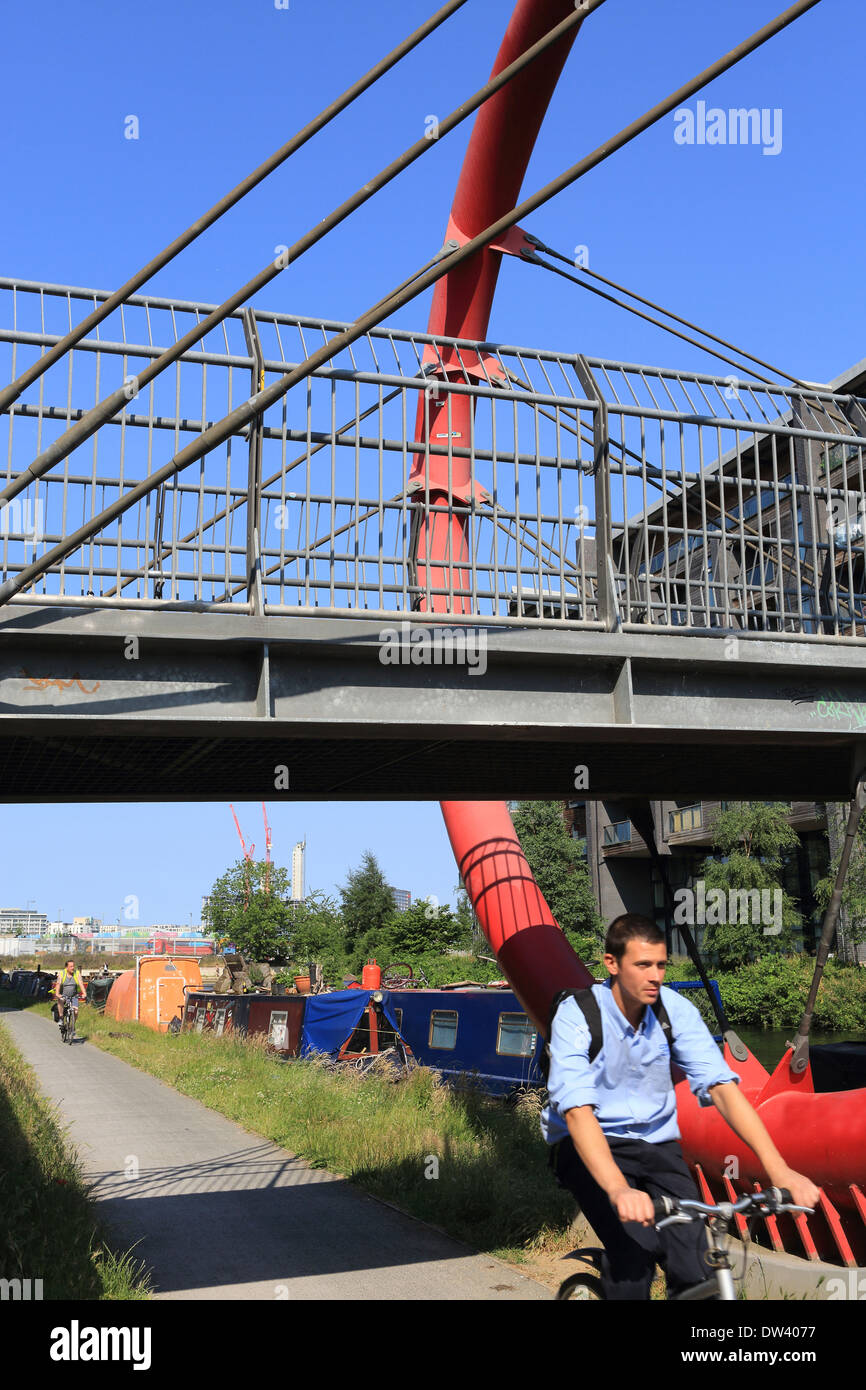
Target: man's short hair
{"points": [[71, 961], [631, 926]]}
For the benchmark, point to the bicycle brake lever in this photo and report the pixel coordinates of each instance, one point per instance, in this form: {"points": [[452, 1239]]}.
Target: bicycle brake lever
{"points": [[678, 1219]]}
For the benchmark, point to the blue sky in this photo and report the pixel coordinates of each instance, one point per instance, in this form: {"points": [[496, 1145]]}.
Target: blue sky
{"points": [[763, 249]]}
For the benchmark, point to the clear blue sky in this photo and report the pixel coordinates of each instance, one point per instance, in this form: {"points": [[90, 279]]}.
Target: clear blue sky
{"points": [[764, 249]]}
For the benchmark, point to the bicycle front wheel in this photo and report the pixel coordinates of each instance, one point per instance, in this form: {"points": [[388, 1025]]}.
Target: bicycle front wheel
{"points": [[583, 1288]]}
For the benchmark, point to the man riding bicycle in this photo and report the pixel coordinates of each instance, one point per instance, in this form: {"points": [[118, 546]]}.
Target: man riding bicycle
{"points": [[68, 985], [612, 1121]]}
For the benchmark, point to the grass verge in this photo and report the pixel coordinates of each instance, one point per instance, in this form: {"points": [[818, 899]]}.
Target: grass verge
{"points": [[48, 1227]]}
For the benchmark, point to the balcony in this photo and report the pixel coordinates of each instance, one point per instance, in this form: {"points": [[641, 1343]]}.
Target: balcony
{"points": [[686, 819], [618, 833]]}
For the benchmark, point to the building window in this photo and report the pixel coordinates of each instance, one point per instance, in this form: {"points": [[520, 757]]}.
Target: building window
{"points": [[685, 818], [443, 1029], [619, 833], [516, 1036]]}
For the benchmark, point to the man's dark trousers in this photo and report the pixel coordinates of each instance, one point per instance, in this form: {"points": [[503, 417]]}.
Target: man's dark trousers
{"points": [[631, 1250]]}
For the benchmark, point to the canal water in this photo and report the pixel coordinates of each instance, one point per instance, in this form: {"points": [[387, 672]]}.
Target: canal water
{"points": [[768, 1044]]}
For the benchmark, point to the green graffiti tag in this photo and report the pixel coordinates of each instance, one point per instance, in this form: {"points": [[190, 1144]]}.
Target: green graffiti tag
{"points": [[831, 706]]}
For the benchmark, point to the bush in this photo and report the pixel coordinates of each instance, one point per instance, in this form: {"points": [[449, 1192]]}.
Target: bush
{"points": [[772, 993]]}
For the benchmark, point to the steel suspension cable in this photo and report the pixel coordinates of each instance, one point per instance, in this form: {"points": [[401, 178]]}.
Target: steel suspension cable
{"points": [[12, 392], [585, 270], [650, 318], [253, 407], [100, 414]]}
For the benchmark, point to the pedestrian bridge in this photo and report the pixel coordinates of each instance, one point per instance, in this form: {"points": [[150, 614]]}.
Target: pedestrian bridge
{"points": [[661, 590]]}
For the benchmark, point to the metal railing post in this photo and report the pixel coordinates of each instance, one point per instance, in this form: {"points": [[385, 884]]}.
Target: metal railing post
{"points": [[254, 477], [608, 608]]}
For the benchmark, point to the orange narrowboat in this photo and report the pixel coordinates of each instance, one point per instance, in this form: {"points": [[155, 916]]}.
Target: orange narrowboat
{"points": [[154, 992]]}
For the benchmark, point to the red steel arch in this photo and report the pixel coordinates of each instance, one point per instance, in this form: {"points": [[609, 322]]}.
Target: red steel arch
{"points": [[821, 1134], [512, 911]]}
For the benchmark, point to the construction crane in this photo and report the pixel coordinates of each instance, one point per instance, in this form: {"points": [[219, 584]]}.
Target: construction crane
{"points": [[248, 855], [267, 851]]}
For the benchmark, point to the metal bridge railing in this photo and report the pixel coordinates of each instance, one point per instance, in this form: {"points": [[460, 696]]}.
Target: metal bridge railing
{"points": [[614, 495]]}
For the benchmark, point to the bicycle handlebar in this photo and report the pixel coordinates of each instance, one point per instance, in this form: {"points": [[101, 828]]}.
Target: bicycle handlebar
{"points": [[774, 1198]]}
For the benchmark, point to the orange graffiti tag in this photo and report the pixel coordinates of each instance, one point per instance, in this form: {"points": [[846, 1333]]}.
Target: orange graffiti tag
{"points": [[43, 682]]}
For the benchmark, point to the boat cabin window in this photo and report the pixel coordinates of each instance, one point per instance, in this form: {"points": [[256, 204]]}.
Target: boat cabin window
{"points": [[199, 1017], [443, 1028], [278, 1035], [516, 1036], [219, 1021]]}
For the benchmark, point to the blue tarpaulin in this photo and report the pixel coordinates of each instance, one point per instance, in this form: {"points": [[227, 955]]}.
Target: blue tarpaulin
{"points": [[329, 1019]]}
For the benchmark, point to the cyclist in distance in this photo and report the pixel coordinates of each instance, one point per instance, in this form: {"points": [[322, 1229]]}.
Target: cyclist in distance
{"points": [[68, 985], [611, 1120]]}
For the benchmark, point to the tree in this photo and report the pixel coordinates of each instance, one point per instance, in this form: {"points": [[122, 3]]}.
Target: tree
{"points": [[470, 935], [367, 902], [749, 840], [239, 910], [425, 926], [555, 860], [317, 929], [851, 926]]}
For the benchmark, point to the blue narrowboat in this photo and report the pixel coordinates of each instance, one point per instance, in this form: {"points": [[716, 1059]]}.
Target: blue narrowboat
{"points": [[473, 1036]]}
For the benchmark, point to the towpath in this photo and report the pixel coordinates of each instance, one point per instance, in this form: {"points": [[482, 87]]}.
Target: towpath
{"points": [[221, 1213]]}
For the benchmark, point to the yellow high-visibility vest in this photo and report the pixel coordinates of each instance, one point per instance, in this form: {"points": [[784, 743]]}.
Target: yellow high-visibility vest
{"points": [[75, 976]]}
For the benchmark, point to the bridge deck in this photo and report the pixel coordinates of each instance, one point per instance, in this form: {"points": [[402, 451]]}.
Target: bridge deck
{"points": [[660, 575], [109, 705]]}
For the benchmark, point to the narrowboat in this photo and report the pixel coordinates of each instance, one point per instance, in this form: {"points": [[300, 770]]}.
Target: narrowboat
{"points": [[153, 991], [278, 1016], [474, 1036]]}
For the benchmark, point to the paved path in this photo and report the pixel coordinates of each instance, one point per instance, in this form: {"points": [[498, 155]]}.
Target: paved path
{"points": [[222, 1213]]}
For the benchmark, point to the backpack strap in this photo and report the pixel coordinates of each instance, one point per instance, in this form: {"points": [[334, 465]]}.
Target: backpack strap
{"points": [[661, 1014], [588, 1005]]}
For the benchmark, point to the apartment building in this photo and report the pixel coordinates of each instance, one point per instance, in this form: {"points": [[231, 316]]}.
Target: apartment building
{"points": [[624, 878]]}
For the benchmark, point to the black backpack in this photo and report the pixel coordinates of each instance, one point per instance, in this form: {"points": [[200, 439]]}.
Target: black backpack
{"points": [[589, 1007]]}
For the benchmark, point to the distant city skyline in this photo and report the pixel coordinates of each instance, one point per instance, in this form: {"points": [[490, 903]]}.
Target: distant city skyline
{"points": [[106, 860]]}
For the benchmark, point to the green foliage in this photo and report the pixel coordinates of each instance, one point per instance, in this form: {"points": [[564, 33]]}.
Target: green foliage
{"points": [[367, 903], [560, 873], [854, 889], [772, 993], [469, 933], [750, 839], [256, 921], [440, 969], [317, 935], [425, 928], [43, 1191]]}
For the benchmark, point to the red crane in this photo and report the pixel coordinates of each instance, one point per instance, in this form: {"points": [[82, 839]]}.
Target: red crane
{"points": [[267, 851], [248, 856]]}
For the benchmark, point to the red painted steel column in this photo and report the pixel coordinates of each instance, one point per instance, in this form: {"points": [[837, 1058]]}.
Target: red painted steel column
{"points": [[511, 908], [515, 918], [502, 141]]}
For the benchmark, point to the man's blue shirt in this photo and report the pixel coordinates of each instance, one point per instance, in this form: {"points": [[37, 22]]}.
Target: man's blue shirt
{"points": [[628, 1083]]}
